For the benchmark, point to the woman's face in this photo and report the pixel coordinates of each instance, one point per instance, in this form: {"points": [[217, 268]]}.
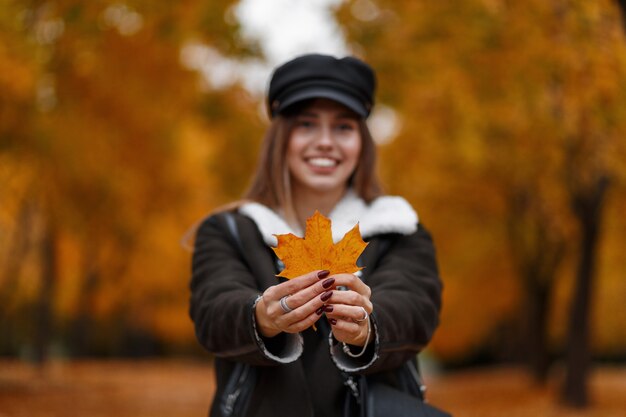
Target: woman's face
{"points": [[324, 147]]}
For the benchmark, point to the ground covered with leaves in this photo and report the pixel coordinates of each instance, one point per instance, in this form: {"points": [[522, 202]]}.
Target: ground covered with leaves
{"points": [[184, 388]]}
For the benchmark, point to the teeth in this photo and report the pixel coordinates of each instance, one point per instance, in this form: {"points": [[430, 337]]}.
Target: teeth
{"points": [[322, 162]]}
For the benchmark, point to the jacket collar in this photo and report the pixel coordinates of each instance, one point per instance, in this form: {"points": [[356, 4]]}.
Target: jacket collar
{"points": [[387, 214]]}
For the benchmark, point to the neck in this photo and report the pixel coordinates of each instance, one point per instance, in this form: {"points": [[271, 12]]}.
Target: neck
{"points": [[305, 202]]}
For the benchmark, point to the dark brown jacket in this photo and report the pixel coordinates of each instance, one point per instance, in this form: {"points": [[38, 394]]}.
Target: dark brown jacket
{"points": [[226, 281]]}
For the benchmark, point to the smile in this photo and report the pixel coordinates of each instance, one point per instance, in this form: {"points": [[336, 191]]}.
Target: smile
{"points": [[322, 162]]}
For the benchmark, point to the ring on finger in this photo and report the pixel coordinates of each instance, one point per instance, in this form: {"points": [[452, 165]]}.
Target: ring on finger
{"points": [[365, 316], [284, 306]]}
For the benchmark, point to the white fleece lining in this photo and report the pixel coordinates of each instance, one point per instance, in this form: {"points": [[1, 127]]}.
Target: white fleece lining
{"points": [[387, 214]]}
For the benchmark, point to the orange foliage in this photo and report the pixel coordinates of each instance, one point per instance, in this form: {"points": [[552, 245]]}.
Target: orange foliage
{"points": [[500, 102], [104, 133], [316, 251], [112, 146]]}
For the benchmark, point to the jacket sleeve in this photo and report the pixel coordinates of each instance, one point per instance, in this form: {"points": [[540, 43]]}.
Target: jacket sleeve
{"points": [[406, 295], [224, 294]]}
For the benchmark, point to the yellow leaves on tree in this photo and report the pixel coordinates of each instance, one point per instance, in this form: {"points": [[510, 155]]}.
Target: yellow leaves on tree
{"points": [[316, 251]]}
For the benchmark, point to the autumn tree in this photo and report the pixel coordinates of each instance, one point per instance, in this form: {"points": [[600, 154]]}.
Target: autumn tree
{"points": [[590, 149], [511, 115], [107, 143]]}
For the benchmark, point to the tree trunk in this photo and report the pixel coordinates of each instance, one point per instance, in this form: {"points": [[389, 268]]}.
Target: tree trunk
{"points": [[43, 309], [19, 245], [538, 358], [80, 340], [538, 250], [588, 211]]}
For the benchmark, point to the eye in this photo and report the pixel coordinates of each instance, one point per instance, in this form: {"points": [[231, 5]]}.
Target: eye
{"points": [[346, 127], [305, 123]]}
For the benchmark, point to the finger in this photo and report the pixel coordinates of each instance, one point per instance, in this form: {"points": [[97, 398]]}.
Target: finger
{"points": [[303, 281], [357, 314], [312, 304], [303, 317], [273, 294], [351, 298], [354, 283], [345, 327], [323, 289], [303, 324], [348, 331]]}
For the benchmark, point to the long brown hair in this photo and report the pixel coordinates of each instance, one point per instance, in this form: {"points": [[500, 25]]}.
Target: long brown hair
{"points": [[271, 184]]}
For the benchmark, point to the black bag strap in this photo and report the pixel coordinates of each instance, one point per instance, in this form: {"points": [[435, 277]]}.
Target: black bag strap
{"points": [[232, 227], [242, 380]]}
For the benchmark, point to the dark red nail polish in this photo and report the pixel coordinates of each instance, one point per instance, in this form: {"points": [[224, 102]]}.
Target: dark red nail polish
{"points": [[328, 282], [332, 321], [319, 311], [327, 309], [325, 296], [323, 274]]}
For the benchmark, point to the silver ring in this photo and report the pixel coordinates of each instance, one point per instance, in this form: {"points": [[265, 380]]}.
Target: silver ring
{"points": [[365, 316], [284, 306]]}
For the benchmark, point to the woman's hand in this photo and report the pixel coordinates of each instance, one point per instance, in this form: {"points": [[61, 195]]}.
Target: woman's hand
{"points": [[303, 297], [349, 310]]}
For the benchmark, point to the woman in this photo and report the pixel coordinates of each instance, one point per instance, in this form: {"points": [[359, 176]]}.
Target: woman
{"points": [[317, 155]]}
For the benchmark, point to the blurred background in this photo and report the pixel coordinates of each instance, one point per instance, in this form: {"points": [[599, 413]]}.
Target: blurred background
{"points": [[122, 123]]}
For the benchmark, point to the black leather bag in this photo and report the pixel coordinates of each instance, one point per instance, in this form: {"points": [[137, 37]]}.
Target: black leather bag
{"points": [[368, 397]]}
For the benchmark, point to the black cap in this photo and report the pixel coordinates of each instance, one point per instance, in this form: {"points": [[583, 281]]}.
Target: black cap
{"points": [[348, 81]]}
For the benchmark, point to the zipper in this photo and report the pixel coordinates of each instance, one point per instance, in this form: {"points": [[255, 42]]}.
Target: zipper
{"points": [[229, 403], [234, 390]]}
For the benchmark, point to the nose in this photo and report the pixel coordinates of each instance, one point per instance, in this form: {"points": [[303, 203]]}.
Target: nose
{"points": [[325, 139]]}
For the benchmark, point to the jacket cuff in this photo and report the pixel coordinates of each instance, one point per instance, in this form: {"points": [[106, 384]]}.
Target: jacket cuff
{"points": [[283, 348], [353, 365]]}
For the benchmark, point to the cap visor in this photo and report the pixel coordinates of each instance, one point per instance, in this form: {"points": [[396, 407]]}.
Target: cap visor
{"points": [[332, 94]]}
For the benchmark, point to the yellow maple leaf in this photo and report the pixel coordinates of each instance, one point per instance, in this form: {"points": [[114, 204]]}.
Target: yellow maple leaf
{"points": [[316, 251]]}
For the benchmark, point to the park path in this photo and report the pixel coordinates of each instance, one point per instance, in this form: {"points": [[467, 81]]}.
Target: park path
{"points": [[179, 388]]}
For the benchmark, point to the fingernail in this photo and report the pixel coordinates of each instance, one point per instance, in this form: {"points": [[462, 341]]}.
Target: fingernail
{"points": [[327, 309], [323, 274], [328, 282], [333, 321], [325, 296], [319, 311]]}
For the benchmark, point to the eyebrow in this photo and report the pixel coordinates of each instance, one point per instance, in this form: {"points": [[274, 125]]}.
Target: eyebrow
{"points": [[346, 115]]}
